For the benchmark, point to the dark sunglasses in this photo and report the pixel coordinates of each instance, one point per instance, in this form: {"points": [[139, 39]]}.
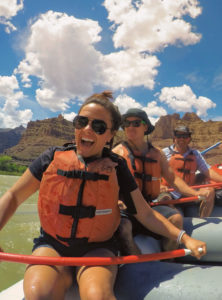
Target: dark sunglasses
{"points": [[98, 126], [134, 123], [182, 135]]}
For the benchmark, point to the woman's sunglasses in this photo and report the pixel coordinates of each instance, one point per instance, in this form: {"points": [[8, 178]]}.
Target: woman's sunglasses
{"points": [[98, 126], [134, 123]]}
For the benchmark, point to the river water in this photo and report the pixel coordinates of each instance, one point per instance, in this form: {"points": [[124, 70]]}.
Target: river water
{"points": [[17, 235]]}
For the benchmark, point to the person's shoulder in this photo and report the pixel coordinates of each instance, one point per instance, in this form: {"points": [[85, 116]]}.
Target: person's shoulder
{"points": [[195, 152], [167, 149], [118, 149], [198, 154], [115, 156], [155, 152], [155, 149], [51, 150]]}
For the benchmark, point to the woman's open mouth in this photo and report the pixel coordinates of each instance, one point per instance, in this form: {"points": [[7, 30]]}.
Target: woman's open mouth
{"points": [[86, 142]]}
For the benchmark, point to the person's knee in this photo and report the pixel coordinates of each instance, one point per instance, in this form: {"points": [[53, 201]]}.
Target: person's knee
{"points": [[176, 220], [37, 289], [97, 292], [211, 196], [212, 193]]}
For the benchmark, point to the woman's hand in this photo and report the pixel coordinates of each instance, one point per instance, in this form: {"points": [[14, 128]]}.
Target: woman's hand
{"points": [[121, 205], [163, 188], [103, 164], [194, 245]]}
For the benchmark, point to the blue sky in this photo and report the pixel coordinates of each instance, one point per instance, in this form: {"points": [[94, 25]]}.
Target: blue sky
{"points": [[163, 56]]}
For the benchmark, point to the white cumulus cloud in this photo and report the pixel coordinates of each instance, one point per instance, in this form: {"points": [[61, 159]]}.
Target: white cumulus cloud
{"points": [[151, 25], [70, 116], [153, 110], [130, 69], [61, 54], [124, 102], [10, 95], [9, 9], [183, 99]]}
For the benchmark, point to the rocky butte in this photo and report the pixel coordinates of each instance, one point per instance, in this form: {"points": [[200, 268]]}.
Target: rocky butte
{"points": [[39, 135]]}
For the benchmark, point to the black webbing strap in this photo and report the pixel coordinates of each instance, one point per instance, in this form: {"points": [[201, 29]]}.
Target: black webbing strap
{"points": [[131, 155], [144, 177], [82, 175], [78, 211], [183, 170], [148, 198], [142, 158], [76, 242]]}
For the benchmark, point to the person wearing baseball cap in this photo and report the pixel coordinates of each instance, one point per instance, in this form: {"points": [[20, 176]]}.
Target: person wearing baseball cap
{"points": [[189, 164]]}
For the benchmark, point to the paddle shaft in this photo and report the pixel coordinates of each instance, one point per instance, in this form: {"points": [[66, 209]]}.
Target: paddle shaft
{"points": [[210, 148], [217, 184], [176, 201], [92, 261]]}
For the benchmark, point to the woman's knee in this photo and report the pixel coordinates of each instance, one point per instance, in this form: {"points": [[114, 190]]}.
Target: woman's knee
{"points": [[37, 290], [98, 293], [41, 283]]}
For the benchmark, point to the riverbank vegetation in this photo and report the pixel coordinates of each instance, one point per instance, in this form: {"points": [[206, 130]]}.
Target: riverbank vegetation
{"points": [[9, 167]]}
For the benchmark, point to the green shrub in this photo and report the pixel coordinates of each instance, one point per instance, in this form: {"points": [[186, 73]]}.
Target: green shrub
{"points": [[7, 166]]}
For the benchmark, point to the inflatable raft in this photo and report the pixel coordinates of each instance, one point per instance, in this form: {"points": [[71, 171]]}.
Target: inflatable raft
{"points": [[184, 278]]}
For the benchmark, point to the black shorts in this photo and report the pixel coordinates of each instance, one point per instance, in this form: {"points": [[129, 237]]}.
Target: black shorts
{"points": [[78, 249]]}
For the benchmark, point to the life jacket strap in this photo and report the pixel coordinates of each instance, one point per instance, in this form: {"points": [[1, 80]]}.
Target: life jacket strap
{"points": [[74, 242], [83, 211], [148, 198], [78, 211], [185, 171], [145, 177], [82, 175]]}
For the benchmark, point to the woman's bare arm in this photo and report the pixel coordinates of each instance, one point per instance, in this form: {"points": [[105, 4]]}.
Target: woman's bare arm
{"points": [[18, 193]]}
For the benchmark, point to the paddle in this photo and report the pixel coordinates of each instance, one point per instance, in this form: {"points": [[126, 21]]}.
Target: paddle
{"points": [[92, 261], [177, 201], [216, 184], [210, 148]]}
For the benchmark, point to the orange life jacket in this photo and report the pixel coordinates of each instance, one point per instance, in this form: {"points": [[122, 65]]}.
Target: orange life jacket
{"points": [[185, 168], [145, 170], [78, 201], [218, 169]]}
